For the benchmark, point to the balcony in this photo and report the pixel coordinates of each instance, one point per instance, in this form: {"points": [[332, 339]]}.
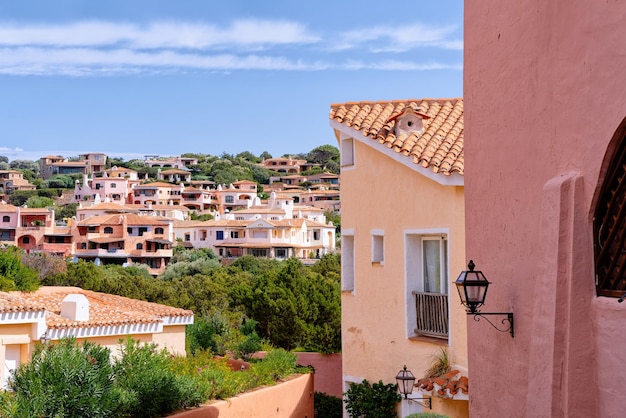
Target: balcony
{"points": [[432, 314]]}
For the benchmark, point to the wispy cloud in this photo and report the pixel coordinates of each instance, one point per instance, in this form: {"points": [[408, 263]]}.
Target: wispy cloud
{"points": [[97, 48], [400, 38], [241, 33]]}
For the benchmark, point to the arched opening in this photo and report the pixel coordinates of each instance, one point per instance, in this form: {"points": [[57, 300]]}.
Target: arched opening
{"points": [[609, 221]]}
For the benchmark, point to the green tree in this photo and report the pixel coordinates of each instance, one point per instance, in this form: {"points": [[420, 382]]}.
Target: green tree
{"points": [[13, 274], [39, 202], [4, 159], [325, 155]]}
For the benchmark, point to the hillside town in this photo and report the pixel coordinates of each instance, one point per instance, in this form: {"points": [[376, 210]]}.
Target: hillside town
{"points": [[125, 218]]}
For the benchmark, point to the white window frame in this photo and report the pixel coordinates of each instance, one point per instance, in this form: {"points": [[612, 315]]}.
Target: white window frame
{"points": [[378, 246], [414, 270], [347, 261], [347, 152]]}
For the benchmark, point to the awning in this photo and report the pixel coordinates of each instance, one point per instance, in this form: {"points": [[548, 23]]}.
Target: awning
{"points": [[104, 240], [159, 241]]}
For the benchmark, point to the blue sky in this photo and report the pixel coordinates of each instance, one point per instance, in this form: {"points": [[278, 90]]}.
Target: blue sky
{"points": [[136, 77]]}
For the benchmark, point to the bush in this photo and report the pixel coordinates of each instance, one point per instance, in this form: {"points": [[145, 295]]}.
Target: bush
{"points": [[364, 400], [65, 380], [327, 406], [150, 387]]}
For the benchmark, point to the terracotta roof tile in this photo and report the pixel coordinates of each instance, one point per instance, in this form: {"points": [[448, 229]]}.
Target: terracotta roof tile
{"points": [[439, 147], [446, 386], [104, 309]]}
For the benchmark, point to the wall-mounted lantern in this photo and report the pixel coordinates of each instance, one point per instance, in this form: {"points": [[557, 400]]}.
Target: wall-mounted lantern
{"points": [[472, 286], [406, 382]]}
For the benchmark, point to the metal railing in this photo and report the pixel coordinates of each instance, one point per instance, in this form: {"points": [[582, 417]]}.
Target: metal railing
{"points": [[432, 314]]}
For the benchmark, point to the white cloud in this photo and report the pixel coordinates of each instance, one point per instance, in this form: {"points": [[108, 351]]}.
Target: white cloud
{"points": [[241, 33], [399, 38], [99, 48]]}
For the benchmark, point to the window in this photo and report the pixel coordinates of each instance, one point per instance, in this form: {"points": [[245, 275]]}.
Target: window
{"points": [[347, 152], [234, 234], [229, 199], [259, 234], [219, 235], [259, 252], [113, 185], [6, 218], [108, 230], [426, 263], [187, 237], [97, 186], [281, 252], [609, 226], [347, 260], [316, 234], [158, 231], [91, 229], [26, 240], [139, 246], [378, 247]]}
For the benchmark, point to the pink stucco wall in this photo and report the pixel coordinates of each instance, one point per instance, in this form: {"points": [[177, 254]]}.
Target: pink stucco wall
{"points": [[327, 370], [544, 97], [290, 399]]}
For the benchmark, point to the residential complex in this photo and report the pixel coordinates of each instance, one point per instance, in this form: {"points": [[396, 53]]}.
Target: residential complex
{"points": [[124, 220]]}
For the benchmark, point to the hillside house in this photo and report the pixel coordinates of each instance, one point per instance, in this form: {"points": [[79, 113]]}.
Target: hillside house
{"points": [[402, 246]]}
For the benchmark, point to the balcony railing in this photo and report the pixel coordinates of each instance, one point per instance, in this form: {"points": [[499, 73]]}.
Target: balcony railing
{"points": [[432, 314]]}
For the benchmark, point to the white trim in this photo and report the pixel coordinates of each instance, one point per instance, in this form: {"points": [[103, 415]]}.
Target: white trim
{"points": [[178, 320], [22, 317], [413, 259], [453, 179], [105, 331]]}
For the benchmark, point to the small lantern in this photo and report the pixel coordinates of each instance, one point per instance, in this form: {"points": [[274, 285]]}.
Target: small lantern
{"points": [[472, 286], [406, 381]]}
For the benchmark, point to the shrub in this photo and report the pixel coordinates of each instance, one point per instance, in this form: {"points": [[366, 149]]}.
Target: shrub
{"points": [[364, 400], [150, 387], [65, 379], [328, 406]]}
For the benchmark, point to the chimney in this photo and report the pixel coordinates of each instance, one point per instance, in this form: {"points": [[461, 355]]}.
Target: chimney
{"points": [[75, 306]]}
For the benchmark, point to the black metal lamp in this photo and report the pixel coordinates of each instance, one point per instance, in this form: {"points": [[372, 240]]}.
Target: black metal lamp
{"points": [[406, 382], [472, 286], [44, 339]]}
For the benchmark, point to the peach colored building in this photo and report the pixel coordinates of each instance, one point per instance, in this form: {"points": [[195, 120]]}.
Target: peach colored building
{"points": [[57, 312], [278, 229], [403, 241], [545, 193], [11, 180]]}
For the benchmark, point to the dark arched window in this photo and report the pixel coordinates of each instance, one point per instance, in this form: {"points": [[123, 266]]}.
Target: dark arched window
{"points": [[6, 218], [158, 231], [609, 226], [108, 230]]}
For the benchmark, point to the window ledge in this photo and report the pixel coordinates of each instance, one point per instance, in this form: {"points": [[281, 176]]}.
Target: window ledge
{"points": [[432, 340]]}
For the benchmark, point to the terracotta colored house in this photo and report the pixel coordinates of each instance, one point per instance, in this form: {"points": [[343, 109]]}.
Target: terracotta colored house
{"points": [[125, 239], [58, 312], [403, 241], [545, 196]]}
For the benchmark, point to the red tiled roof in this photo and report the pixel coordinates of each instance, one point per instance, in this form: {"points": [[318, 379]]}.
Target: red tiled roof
{"points": [[104, 309], [12, 303], [445, 386], [440, 147]]}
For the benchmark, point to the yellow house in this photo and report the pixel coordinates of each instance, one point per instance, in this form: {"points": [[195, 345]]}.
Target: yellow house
{"points": [[403, 242], [52, 313]]}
